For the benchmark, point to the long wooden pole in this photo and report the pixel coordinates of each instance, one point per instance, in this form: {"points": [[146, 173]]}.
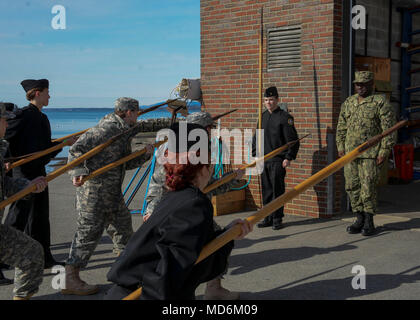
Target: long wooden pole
{"points": [[119, 162], [268, 156], [70, 136], [42, 153], [215, 118], [260, 83], [37, 155], [279, 202], [64, 168], [140, 113]]}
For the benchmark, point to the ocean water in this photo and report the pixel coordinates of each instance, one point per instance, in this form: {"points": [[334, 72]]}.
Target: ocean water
{"points": [[65, 121]]}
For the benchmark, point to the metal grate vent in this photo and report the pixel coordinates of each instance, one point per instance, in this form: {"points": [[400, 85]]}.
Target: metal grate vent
{"points": [[283, 48]]}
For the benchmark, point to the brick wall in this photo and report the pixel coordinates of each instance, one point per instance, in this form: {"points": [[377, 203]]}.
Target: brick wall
{"points": [[230, 33]]}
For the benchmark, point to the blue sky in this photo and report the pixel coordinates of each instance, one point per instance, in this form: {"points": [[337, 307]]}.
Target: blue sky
{"points": [[135, 48]]}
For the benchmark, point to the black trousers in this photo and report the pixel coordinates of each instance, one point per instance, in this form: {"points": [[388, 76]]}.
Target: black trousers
{"points": [[272, 185], [32, 217]]}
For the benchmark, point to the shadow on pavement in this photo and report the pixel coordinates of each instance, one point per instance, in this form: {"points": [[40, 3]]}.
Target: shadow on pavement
{"points": [[336, 289], [249, 262]]}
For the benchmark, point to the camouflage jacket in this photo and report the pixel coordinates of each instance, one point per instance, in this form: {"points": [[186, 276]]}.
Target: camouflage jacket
{"points": [[9, 185], [157, 184], [108, 183], [358, 122]]}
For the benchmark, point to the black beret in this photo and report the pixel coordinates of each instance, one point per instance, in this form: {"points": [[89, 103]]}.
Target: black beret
{"points": [[178, 131], [271, 92], [31, 84]]}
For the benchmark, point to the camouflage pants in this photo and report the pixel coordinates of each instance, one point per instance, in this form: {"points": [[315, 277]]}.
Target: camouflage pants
{"points": [[90, 227], [362, 176], [26, 255]]}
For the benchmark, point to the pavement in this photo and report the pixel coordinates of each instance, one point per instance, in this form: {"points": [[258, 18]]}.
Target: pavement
{"points": [[308, 259]]}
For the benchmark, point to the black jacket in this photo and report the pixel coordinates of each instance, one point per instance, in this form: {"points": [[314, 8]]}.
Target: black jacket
{"points": [[279, 129], [30, 132], [160, 256]]}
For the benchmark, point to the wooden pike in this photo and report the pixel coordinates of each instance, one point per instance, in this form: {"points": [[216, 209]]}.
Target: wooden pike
{"points": [[156, 106], [268, 156], [37, 155], [70, 136], [64, 168], [215, 118], [279, 202], [119, 162], [140, 113], [260, 76]]}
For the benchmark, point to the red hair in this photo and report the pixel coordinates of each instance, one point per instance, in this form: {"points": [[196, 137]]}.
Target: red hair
{"points": [[179, 176]]}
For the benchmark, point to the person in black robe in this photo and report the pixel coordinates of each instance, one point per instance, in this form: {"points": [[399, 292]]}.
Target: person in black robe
{"points": [[29, 132], [279, 129], [161, 254]]}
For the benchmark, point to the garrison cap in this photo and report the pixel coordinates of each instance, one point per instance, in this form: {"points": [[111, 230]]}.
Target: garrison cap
{"points": [[32, 84], [4, 113], [125, 104], [271, 92], [204, 119], [363, 76]]}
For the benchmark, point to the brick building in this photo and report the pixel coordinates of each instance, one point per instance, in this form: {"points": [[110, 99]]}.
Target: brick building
{"points": [[313, 78]]}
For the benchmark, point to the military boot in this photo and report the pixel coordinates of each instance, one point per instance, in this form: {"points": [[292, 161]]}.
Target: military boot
{"points": [[358, 225], [368, 227], [75, 285], [267, 222], [29, 296], [215, 291]]}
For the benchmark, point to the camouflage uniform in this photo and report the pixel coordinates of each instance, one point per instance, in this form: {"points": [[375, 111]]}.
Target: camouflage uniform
{"points": [[16, 248], [99, 201], [357, 123]]}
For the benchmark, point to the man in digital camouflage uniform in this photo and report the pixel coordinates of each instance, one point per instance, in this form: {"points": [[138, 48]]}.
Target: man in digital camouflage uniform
{"points": [[214, 289], [16, 248], [363, 116], [100, 203]]}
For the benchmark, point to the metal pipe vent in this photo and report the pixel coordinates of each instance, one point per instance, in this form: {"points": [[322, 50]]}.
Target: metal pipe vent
{"points": [[284, 48]]}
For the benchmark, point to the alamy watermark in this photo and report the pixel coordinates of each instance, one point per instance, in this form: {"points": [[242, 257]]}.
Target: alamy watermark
{"points": [[199, 151], [58, 22], [359, 20], [359, 281]]}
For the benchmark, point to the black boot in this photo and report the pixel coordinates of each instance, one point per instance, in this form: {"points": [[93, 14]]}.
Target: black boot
{"points": [[267, 222], [358, 225], [277, 224], [368, 227]]}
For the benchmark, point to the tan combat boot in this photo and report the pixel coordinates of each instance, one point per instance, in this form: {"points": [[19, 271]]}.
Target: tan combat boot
{"points": [[215, 291], [24, 298], [75, 285]]}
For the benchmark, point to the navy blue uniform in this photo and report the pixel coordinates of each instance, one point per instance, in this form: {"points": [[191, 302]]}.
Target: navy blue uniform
{"points": [[30, 132], [278, 129]]}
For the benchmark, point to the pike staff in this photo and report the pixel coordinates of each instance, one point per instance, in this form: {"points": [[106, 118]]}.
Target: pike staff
{"points": [[277, 203], [268, 156], [36, 155], [120, 162], [64, 168]]}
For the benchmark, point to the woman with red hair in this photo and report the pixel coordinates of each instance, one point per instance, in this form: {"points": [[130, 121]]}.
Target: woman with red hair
{"points": [[160, 257]]}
